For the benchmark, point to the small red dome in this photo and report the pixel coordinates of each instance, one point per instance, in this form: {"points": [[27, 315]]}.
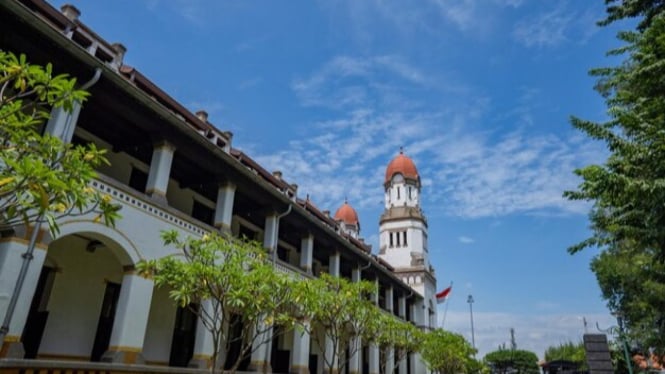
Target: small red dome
{"points": [[403, 165], [346, 214]]}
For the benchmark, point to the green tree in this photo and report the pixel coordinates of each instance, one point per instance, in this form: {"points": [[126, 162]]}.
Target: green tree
{"points": [[568, 351], [512, 361], [396, 334], [340, 309], [448, 353], [217, 277], [628, 190], [647, 9], [42, 178]]}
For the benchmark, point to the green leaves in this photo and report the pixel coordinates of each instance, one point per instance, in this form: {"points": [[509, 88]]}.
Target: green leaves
{"points": [[512, 361], [568, 351], [41, 176], [628, 189], [448, 353], [230, 276]]}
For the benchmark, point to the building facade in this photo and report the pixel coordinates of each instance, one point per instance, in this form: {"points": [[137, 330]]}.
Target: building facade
{"points": [[83, 306]]}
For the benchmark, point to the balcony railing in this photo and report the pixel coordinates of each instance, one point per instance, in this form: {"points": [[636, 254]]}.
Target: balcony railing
{"points": [[138, 200]]}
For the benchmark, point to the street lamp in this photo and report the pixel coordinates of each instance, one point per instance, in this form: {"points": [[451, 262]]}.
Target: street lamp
{"points": [[473, 337]]}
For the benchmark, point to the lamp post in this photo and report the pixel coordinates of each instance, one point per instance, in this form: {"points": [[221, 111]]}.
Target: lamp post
{"points": [[622, 337], [473, 337]]}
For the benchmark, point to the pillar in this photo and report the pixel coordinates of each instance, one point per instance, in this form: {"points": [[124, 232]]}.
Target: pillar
{"points": [[334, 264], [270, 232], [332, 354], [401, 365], [401, 307], [390, 360], [389, 299], [261, 349], [355, 359], [417, 364], [11, 258], [160, 169], [374, 359], [203, 343], [62, 124], [306, 253], [131, 320], [356, 274], [356, 347], [401, 311], [300, 353], [224, 207]]}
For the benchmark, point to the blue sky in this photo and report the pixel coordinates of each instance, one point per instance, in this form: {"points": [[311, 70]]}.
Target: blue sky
{"points": [[478, 92]]}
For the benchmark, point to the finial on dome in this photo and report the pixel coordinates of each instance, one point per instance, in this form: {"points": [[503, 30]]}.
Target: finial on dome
{"points": [[401, 150]]}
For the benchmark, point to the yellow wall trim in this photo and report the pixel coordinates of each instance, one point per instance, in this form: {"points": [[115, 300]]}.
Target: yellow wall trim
{"points": [[25, 242], [122, 348], [57, 356]]}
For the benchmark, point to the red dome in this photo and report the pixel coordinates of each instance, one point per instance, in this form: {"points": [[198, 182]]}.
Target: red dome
{"points": [[346, 214], [402, 165]]}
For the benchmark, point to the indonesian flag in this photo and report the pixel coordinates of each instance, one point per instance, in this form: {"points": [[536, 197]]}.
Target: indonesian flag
{"points": [[443, 295]]}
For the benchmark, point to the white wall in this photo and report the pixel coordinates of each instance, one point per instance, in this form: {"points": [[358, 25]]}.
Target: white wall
{"points": [[76, 298], [159, 334]]}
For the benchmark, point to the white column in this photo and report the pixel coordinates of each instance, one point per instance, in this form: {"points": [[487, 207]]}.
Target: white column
{"points": [[374, 359], [374, 353], [306, 252], [417, 364], [260, 360], [203, 343], [414, 314], [270, 232], [332, 353], [334, 264], [401, 307], [356, 274], [389, 299], [131, 320], [401, 311], [11, 257], [401, 365], [62, 124], [160, 170], [390, 360], [224, 207], [355, 361], [300, 353]]}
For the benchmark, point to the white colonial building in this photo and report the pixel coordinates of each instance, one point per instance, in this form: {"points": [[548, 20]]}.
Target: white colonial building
{"points": [[83, 308]]}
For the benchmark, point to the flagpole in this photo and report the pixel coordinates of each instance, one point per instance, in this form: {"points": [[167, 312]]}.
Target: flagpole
{"points": [[473, 335], [445, 313]]}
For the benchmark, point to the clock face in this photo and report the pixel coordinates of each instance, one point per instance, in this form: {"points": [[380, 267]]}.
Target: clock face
{"points": [[398, 178]]}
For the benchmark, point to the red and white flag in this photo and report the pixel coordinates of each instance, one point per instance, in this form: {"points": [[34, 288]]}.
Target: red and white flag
{"points": [[443, 295]]}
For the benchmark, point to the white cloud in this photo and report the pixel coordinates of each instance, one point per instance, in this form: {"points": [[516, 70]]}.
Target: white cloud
{"points": [[556, 26], [516, 173], [532, 332], [466, 240], [346, 82], [466, 172]]}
